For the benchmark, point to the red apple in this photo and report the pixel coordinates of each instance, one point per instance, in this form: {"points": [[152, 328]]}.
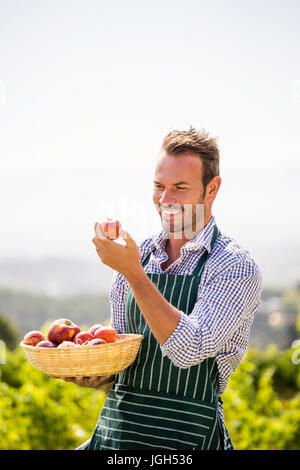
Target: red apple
{"points": [[94, 328], [62, 330], [107, 333], [110, 228], [67, 345], [46, 344], [82, 337], [33, 337], [96, 341]]}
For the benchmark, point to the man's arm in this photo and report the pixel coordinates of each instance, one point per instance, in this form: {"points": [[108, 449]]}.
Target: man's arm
{"points": [[161, 316], [90, 382], [230, 299], [226, 302], [225, 306]]}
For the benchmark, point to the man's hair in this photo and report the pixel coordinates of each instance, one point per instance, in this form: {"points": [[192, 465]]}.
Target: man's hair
{"points": [[198, 142]]}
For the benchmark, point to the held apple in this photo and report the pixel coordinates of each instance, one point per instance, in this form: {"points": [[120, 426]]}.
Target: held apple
{"points": [[111, 228], [33, 337], [83, 337], [94, 328], [46, 344], [62, 330], [107, 333]]}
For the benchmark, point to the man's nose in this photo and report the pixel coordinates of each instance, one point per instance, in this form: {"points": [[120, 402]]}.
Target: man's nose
{"points": [[167, 198]]}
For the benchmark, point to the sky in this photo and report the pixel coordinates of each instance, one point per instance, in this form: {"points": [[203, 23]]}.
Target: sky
{"points": [[89, 89]]}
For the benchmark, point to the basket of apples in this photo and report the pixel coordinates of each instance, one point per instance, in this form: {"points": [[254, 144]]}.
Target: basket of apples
{"points": [[67, 351]]}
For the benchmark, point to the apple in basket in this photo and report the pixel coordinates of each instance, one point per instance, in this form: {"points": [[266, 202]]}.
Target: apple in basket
{"points": [[67, 345], [83, 337], [108, 333], [97, 341], [62, 330], [33, 338], [94, 328], [46, 344]]}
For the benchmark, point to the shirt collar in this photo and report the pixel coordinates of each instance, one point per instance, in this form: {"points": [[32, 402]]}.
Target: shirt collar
{"points": [[202, 239]]}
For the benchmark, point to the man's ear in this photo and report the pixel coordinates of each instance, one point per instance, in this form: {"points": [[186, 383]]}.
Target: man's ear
{"points": [[213, 187]]}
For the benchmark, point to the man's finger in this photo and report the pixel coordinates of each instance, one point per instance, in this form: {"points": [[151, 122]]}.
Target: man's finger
{"points": [[99, 233]]}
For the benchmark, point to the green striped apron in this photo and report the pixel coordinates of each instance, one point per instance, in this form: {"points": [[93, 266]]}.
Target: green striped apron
{"points": [[153, 404]]}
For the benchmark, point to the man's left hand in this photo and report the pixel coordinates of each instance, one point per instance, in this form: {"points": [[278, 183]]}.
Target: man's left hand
{"points": [[124, 259]]}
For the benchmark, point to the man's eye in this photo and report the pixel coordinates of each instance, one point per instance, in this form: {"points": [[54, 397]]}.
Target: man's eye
{"points": [[177, 187]]}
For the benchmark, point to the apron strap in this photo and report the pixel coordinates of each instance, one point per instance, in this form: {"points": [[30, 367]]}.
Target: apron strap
{"points": [[199, 268], [144, 263]]}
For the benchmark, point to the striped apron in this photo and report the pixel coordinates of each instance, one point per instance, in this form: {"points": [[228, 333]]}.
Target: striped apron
{"points": [[153, 404]]}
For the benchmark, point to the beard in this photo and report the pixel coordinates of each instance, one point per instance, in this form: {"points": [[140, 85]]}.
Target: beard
{"points": [[187, 223]]}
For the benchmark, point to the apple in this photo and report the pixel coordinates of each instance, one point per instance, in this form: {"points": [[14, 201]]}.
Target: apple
{"points": [[94, 328], [108, 333], [33, 337], [62, 330], [67, 345], [83, 337], [111, 228], [96, 341], [46, 344]]}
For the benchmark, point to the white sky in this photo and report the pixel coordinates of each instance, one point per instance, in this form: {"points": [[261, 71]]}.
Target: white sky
{"points": [[88, 90]]}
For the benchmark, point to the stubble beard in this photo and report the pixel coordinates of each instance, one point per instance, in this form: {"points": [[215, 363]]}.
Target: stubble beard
{"points": [[190, 223]]}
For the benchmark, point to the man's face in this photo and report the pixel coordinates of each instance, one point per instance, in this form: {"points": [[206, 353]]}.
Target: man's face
{"points": [[178, 193]]}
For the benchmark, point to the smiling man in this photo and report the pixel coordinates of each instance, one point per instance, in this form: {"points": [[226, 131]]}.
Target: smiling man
{"points": [[192, 291]]}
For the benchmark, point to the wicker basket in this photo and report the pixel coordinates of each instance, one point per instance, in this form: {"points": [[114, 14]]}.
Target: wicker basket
{"points": [[86, 361]]}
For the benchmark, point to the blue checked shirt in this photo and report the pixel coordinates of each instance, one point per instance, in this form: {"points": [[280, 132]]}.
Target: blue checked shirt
{"points": [[228, 297]]}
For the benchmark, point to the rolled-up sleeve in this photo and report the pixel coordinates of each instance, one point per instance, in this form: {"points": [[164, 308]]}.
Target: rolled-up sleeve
{"points": [[226, 302]]}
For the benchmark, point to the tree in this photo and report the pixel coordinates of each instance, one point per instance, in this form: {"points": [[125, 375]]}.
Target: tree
{"points": [[9, 333]]}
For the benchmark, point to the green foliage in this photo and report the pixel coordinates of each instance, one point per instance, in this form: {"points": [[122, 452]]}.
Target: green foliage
{"points": [[262, 402], [261, 405], [39, 413], [8, 332]]}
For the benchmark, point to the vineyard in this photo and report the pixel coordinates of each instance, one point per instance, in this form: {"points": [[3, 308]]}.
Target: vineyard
{"points": [[261, 405]]}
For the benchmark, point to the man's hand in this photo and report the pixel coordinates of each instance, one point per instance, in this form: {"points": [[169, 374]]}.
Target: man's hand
{"points": [[91, 382], [124, 259]]}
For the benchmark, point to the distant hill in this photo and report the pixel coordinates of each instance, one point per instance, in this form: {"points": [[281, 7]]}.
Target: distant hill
{"points": [[31, 311], [56, 276], [274, 322]]}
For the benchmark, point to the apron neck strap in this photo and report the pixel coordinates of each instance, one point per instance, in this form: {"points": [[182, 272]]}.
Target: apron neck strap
{"points": [[199, 268]]}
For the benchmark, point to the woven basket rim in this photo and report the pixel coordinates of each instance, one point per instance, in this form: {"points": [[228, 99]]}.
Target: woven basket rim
{"points": [[83, 361], [125, 337]]}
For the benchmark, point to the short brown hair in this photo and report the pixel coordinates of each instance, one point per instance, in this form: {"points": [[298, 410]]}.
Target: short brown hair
{"points": [[199, 142]]}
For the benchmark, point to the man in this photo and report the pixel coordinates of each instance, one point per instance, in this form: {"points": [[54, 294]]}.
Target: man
{"points": [[192, 291]]}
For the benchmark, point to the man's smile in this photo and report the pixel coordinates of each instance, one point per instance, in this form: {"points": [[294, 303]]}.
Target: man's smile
{"points": [[173, 210]]}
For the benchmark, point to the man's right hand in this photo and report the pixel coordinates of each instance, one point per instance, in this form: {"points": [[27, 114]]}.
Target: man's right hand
{"points": [[91, 382]]}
